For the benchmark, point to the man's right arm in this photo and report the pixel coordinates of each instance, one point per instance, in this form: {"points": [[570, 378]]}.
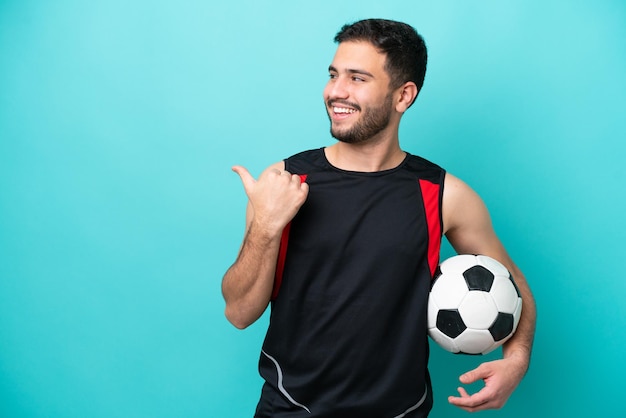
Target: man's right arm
{"points": [[273, 200]]}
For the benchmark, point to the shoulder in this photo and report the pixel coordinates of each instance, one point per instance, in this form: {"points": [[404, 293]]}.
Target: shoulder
{"points": [[466, 220], [279, 165], [306, 161], [455, 188], [291, 163], [419, 163], [306, 154], [424, 169], [461, 205]]}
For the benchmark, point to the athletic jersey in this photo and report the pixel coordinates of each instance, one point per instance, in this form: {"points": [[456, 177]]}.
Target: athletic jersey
{"points": [[348, 327]]}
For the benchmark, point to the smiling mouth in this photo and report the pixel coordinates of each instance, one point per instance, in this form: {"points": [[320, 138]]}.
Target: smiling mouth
{"points": [[343, 110], [340, 108]]}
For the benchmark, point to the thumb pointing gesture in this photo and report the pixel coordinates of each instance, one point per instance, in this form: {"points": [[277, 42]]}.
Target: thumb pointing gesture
{"points": [[246, 178], [275, 197]]}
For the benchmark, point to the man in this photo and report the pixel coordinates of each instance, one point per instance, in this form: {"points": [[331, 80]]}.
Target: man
{"points": [[343, 242]]}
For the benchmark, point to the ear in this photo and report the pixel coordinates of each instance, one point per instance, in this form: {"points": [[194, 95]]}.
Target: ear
{"points": [[406, 95]]}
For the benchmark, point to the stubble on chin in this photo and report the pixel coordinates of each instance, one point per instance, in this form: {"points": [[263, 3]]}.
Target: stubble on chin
{"points": [[369, 124]]}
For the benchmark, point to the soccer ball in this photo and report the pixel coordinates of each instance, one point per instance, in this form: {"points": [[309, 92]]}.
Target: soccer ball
{"points": [[474, 305]]}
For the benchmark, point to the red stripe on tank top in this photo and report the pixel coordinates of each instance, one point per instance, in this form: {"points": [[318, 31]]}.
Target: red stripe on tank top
{"points": [[430, 195], [282, 254]]}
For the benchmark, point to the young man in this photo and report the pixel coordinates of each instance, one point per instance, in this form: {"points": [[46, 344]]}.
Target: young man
{"points": [[343, 242]]}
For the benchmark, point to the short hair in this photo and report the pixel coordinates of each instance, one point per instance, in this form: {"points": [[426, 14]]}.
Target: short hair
{"points": [[403, 47]]}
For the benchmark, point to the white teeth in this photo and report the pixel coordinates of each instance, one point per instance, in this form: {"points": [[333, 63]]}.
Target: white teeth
{"points": [[343, 110]]}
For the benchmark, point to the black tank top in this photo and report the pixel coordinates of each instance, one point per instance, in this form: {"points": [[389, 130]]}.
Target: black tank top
{"points": [[347, 334]]}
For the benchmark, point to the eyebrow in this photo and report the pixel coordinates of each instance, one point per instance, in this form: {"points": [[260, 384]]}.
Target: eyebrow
{"points": [[352, 71]]}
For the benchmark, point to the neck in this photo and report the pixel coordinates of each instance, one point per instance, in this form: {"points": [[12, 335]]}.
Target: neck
{"points": [[369, 156]]}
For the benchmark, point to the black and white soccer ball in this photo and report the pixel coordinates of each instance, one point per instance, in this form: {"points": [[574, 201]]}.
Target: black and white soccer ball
{"points": [[474, 305]]}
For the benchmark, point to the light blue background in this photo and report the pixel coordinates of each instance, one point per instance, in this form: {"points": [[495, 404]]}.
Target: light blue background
{"points": [[120, 120]]}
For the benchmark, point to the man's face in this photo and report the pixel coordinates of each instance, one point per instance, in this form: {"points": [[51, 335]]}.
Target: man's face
{"points": [[357, 96]]}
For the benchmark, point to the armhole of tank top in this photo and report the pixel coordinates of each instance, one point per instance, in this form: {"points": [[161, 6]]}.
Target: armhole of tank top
{"points": [[432, 195], [282, 254]]}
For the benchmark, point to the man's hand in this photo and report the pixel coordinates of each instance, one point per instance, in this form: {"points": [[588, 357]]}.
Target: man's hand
{"points": [[501, 377], [275, 197]]}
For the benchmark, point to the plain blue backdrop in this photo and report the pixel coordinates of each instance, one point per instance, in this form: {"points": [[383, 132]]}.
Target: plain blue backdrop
{"points": [[120, 120]]}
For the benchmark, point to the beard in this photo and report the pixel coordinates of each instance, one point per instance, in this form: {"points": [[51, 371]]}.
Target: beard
{"points": [[371, 122]]}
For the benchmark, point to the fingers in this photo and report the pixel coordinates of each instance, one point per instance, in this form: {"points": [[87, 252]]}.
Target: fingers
{"points": [[304, 186], [275, 197], [481, 372], [246, 178], [498, 387], [477, 401], [469, 377], [294, 177], [463, 392], [471, 403]]}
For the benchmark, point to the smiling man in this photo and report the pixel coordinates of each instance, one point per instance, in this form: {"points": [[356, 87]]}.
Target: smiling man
{"points": [[343, 107], [343, 242]]}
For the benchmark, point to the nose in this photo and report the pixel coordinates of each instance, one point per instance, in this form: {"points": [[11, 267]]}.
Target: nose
{"points": [[336, 88]]}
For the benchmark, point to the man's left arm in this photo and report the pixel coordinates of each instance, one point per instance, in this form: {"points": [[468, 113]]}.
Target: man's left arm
{"points": [[468, 228]]}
